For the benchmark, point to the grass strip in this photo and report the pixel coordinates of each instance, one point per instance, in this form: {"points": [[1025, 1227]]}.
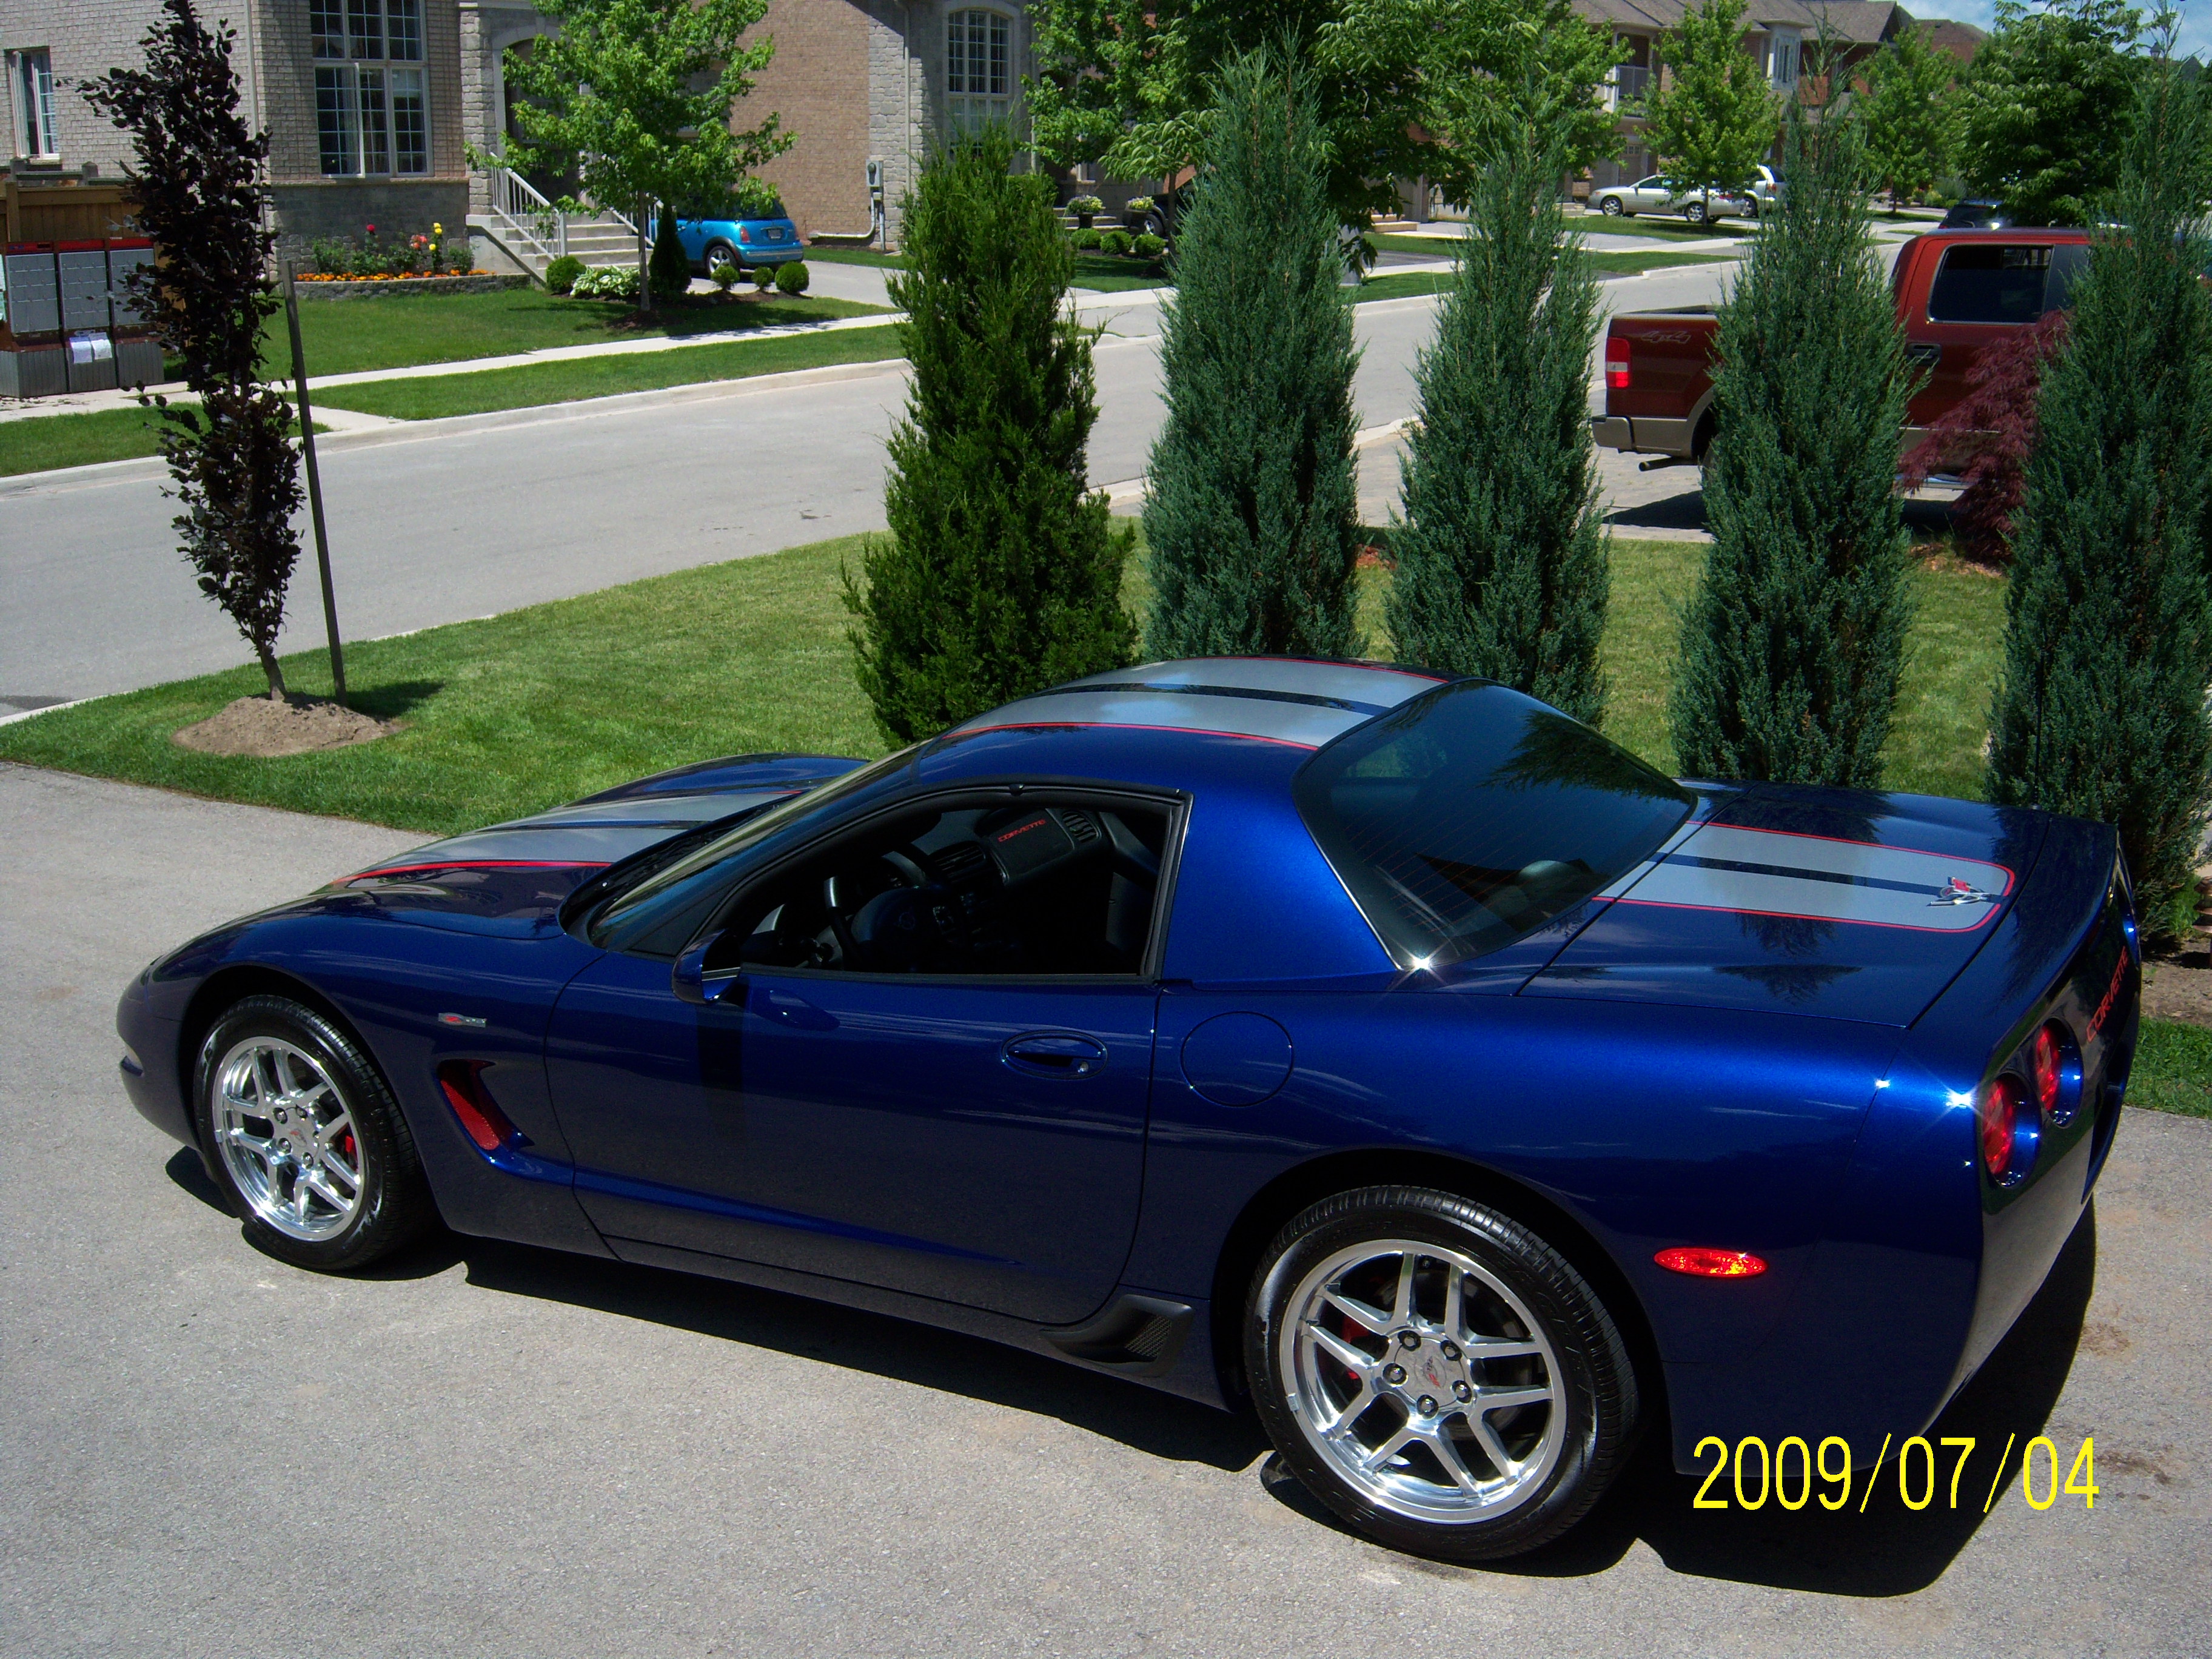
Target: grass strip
{"points": [[35, 443], [2173, 1069], [539, 706], [433, 396], [403, 331]]}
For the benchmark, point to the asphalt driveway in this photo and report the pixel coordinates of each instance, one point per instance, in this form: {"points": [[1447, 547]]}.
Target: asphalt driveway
{"points": [[491, 1450]]}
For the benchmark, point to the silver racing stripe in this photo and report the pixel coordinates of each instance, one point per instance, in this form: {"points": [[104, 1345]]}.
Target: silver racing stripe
{"points": [[1773, 874]]}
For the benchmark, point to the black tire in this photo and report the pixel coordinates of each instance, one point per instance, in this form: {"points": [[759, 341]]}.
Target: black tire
{"points": [[1594, 1383], [721, 253], [1610, 206], [1694, 212], [393, 1206]]}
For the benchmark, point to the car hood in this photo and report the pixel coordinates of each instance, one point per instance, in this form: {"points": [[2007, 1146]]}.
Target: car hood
{"points": [[1846, 904], [515, 876]]}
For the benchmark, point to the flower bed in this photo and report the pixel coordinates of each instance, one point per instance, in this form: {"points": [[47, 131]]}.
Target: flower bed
{"points": [[343, 288]]}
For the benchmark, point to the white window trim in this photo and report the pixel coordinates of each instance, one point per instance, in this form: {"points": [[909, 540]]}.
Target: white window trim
{"points": [[965, 107], [350, 69], [1784, 50], [32, 91]]}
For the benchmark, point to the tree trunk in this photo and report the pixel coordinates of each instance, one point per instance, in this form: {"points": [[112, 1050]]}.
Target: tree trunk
{"points": [[269, 667]]}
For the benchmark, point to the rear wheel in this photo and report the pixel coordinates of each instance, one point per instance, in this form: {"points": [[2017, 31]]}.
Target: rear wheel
{"points": [[719, 254], [1436, 1374], [305, 1141], [1694, 212]]}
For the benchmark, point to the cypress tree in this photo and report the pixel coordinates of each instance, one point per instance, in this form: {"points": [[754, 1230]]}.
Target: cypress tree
{"points": [[1252, 516], [1502, 554], [2100, 710], [670, 268], [1793, 644], [1000, 575]]}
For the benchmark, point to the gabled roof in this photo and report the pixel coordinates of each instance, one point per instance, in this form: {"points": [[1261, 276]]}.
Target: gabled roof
{"points": [[1852, 22]]}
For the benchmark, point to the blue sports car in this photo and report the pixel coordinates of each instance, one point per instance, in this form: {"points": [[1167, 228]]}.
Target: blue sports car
{"points": [[1390, 1053], [765, 238]]}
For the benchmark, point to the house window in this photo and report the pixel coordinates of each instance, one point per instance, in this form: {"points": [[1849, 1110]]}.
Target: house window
{"points": [[978, 83], [370, 109], [1784, 61], [34, 104]]}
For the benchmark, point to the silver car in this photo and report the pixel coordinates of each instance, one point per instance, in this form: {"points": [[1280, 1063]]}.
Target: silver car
{"points": [[1659, 194]]}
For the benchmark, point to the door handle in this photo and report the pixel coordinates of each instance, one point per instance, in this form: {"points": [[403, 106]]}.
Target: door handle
{"points": [[789, 1008], [1054, 1053], [1927, 354]]}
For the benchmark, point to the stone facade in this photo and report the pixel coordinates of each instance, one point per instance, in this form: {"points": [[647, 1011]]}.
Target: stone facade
{"points": [[275, 66]]}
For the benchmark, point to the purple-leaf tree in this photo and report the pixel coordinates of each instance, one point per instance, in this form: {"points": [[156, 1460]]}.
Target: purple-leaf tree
{"points": [[1985, 438], [197, 191]]}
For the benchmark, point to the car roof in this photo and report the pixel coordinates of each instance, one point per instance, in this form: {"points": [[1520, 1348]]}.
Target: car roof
{"points": [[1298, 701]]}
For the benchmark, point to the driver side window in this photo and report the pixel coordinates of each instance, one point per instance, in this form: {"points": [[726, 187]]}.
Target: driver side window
{"points": [[1047, 885]]}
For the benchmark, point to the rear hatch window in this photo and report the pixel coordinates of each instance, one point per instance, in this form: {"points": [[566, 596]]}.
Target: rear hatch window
{"points": [[1473, 815], [2003, 283]]}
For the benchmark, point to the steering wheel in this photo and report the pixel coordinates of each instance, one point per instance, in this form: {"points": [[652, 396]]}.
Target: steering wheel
{"points": [[898, 929]]}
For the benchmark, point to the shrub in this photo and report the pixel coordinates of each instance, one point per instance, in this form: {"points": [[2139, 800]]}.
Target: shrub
{"points": [[670, 267], [793, 278], [2101, 711], [607, 282], [1002, 573], [1137, 206], [763, 278], [1793, 644], [1253, 514], [1148, 246], [1502, 555], [725, 277], [334, 255], [561, 275], [1115, 242], [1088, 241], [1086, 204], [1987, 436]]}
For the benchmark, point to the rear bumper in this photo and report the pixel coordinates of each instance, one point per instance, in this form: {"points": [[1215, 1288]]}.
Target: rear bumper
{"points": [[1646, 434]]}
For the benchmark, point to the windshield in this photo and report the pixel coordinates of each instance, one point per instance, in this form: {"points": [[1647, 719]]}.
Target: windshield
{"points": [[670, 884], [1473, 815]]}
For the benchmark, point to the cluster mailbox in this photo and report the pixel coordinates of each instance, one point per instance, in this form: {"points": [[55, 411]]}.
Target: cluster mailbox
{"points": [[68, 321]]}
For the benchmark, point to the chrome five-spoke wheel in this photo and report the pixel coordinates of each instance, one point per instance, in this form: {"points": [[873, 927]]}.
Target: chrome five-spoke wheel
{"points": [[1424, 1380], [1435, 1372], [301, 1133], [288, 1139]]}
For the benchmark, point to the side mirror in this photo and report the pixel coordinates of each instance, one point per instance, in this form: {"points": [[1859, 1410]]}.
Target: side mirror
{"points": [[693, 981]]}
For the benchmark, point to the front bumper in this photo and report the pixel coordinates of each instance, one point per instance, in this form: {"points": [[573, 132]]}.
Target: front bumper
{"points": [[154, 1083]]}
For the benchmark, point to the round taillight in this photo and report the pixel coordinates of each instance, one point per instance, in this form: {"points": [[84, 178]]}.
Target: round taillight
{"points": [[2001, 1103], [1701, 1262], [2044, 1063]]}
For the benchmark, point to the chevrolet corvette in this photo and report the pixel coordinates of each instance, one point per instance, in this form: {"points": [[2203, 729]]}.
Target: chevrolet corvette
{"points": [[1389, 1056]]}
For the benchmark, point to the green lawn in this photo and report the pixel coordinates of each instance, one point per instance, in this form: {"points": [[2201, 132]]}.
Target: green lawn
{"points": [[540, 706], [34, 443], [399, 330], [434, 395], [1385, 284], [2173, 1072], [1667, 229]]}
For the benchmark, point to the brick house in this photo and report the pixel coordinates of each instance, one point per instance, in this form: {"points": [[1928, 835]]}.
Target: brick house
{"points": [[361, 98], [1778, 33], [854, 81]]}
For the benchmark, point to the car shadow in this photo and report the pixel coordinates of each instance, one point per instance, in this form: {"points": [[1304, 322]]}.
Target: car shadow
{"points": [[1684, 512], [1884, 1549]]}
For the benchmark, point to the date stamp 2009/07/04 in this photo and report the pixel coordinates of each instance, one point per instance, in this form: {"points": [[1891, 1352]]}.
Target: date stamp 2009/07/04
{"points": [[1790, 1472]]}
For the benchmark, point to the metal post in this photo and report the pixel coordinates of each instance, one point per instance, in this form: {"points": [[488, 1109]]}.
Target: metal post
{"points": [[315, 487]]}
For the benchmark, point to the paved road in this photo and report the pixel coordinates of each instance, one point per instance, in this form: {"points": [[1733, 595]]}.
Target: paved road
{"points": [[488, 1450], [461, 519]]}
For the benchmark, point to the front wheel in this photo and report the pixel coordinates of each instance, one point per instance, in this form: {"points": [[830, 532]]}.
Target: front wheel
{"points": [[1610, 206], [307, 1142], [1436, 1374]]}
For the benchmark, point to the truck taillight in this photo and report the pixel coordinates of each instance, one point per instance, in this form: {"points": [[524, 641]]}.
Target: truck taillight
{"points": [[1616, 365]]}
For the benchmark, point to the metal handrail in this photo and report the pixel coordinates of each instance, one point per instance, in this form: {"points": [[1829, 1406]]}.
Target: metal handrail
{"points": [[538, 221]]}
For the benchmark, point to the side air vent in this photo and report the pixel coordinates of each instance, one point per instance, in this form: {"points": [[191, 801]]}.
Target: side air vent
{"points": [[1139, 1335], [961, 863], [1082, 827]]}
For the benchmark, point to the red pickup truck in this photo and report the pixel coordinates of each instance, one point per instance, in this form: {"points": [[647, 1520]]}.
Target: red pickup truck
{"points": [[1957, 292]]}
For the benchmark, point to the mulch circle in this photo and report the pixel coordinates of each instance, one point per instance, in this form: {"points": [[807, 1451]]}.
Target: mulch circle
{"points": [[257, 727]]}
